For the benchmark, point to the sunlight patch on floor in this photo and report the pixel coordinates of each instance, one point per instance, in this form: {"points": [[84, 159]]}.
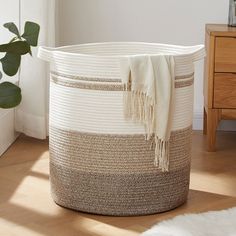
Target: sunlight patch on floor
{"points": [[39, 166], [13, 229], [108, 230], [96, 228], [220, 184], [30, 199]]}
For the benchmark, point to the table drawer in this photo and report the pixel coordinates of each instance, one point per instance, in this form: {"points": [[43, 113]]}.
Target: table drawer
{"points": [[225, 54], [224, 90]]}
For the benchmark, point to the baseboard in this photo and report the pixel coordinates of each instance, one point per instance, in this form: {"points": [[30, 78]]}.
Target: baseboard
{"points": [[228, 125], [198, 120], [7, 131]]}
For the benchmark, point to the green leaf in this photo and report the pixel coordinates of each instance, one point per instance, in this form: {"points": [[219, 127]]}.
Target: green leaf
{"points": [[31, 33], [17, 47], [0, 74], [10, 63], [10, 95], [12, 28]]}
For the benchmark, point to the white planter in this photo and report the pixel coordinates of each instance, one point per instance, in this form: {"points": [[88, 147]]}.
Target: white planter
{"points": [[7, 133]]}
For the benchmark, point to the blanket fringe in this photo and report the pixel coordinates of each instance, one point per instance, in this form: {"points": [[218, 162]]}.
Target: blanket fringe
{"points": [[139, 107], [161, 154]]}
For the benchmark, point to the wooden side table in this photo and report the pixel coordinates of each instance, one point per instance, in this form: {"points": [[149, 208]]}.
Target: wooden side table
{"points": [[220, 79]]}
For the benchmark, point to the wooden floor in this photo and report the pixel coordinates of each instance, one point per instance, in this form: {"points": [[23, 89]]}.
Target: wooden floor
{"points": [[26, 207]]}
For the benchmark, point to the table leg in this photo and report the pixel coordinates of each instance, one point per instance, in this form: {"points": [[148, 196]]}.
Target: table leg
{"points": [[213, 118]]}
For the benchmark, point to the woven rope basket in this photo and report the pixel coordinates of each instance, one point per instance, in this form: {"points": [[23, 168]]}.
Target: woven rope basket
{"points": [[99, 162]]}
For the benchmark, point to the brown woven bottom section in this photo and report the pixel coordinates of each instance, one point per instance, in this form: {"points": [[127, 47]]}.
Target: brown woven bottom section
{"points": [[112, 175], [119, 195]]}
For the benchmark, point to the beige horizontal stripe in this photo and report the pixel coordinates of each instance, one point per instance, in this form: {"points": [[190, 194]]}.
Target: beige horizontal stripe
{"points": [[90, 86], [109, 86], [185, 83], [54, 73], [184, 76], [115, 153]]}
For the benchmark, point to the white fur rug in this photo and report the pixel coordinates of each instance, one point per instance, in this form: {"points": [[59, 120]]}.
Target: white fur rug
{"points": [[212, 223]]}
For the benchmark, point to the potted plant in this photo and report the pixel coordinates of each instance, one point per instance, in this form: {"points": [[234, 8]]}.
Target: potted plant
{"points": [[10, 94]]}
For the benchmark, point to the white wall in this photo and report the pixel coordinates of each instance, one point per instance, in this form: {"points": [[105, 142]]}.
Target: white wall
{"points": [[164, 21], [9, 13]]}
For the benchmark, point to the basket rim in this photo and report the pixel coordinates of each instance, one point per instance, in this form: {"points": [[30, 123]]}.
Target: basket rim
{"points": [[62, 50]]}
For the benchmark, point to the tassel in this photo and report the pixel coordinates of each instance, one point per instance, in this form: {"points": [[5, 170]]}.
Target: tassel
{"points": [[141, 108], [161, 154]]}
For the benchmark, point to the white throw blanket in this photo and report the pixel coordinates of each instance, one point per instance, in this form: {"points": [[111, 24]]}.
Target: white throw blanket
{"points": [[149, 80]]}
